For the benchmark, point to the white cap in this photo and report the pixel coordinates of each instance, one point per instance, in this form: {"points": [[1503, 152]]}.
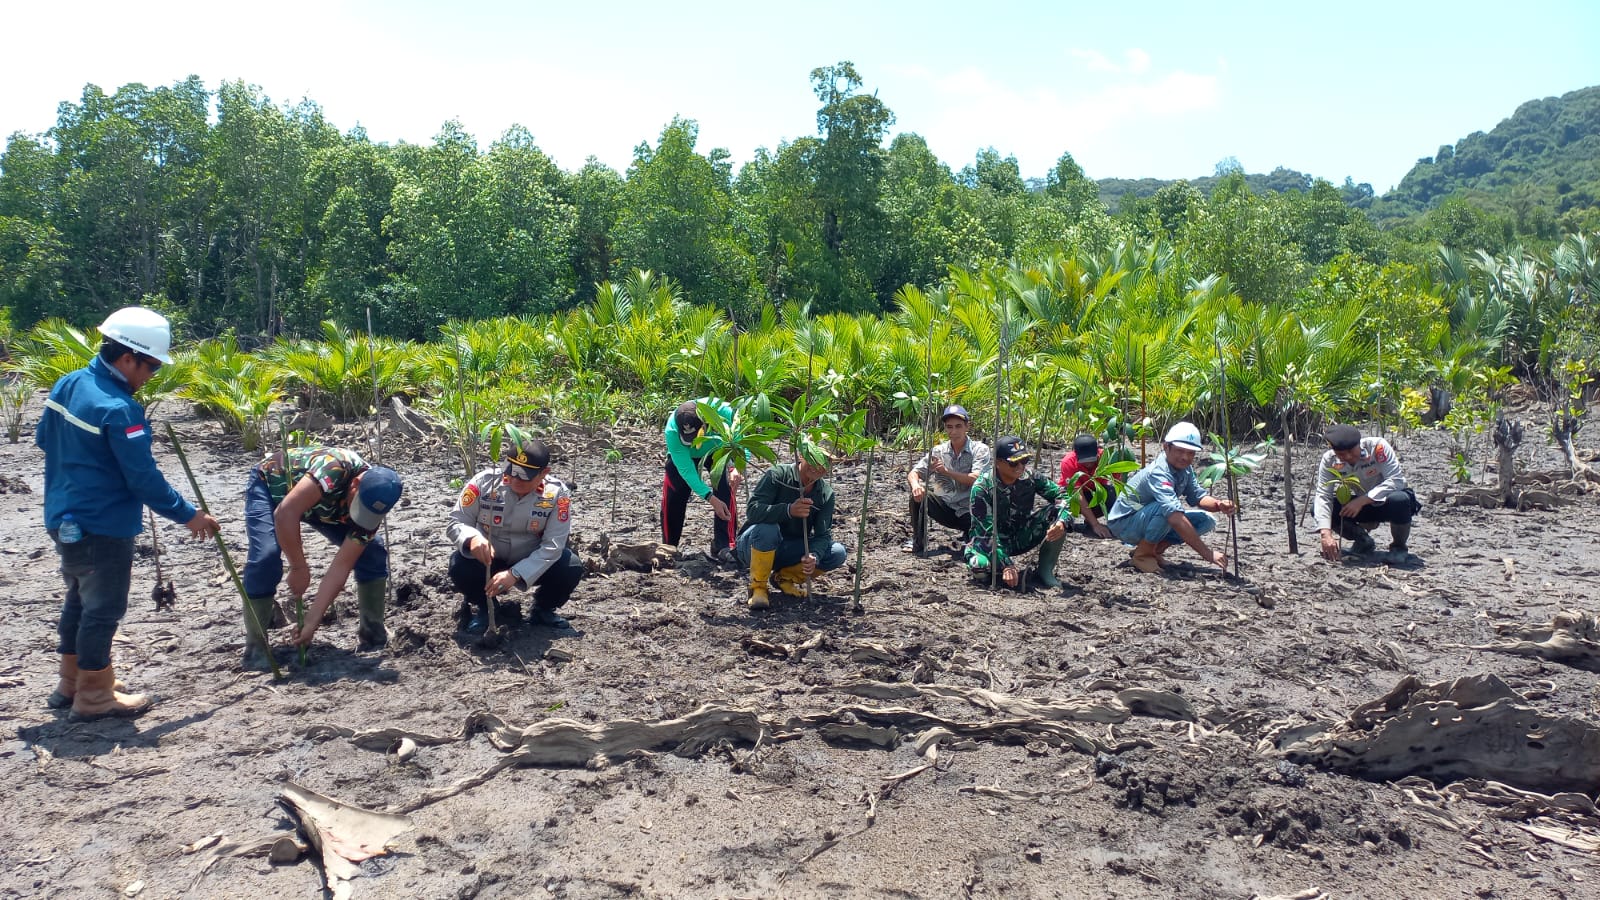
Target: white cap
{"points": [[1185, 435], [141, 329]]}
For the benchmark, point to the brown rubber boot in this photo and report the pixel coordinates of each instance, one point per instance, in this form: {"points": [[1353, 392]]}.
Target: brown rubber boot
{"points": [[97, 698], [67, 684]]}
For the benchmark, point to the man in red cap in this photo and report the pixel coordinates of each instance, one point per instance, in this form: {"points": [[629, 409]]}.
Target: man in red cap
{"points": [[1078, 473]]}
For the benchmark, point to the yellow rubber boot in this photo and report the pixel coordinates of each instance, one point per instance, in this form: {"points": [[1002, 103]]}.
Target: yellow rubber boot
{"points": [[792, 580], [760, 574]]}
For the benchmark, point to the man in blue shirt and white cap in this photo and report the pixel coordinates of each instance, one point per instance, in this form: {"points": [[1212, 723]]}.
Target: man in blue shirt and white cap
{"points": [[1149, 511], [99, 474]]}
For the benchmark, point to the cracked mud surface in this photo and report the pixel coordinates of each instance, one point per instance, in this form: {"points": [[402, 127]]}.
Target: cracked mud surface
{"points": [[1188, 809]]}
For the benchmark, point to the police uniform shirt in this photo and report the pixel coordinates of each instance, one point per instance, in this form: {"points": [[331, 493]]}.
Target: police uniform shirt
{"points": [[530, 530]]}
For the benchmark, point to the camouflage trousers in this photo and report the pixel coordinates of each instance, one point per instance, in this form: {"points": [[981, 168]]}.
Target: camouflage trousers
{"points": [[1012, 543]]}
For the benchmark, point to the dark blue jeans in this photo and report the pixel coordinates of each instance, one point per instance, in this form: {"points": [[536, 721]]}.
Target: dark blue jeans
{"points": [[789, 552], [97, 571], [263, 568]]}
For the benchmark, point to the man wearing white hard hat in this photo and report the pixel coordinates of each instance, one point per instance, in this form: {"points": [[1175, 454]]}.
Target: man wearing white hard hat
{"points": [[1149, 512], [99, 474]]}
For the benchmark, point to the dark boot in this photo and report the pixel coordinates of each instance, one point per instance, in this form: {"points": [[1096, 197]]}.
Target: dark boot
{"points": [[97, 697], [1399, 534], [370, 598], [257, 647], [1361, 542], [1049, 553]]}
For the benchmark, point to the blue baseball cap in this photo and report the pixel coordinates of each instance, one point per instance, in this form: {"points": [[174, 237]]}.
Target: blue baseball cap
{"points": [[955, 409], [378, 492]]}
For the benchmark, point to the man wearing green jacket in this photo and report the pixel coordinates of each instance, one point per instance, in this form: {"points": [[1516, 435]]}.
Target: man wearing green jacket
{"points": [[689, 450], [791, 502]]}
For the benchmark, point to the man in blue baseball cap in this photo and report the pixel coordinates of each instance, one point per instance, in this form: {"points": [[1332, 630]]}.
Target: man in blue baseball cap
{"points": [[941, 482], [345, 500]]}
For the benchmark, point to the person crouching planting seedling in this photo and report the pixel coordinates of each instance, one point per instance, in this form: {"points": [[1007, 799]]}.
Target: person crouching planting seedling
{"points": [[790, 516], [345, 500], [509, 529], [1149, 512]]}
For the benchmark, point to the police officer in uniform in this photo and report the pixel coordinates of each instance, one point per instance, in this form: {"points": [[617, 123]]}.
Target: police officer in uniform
{"points": [[509, 529]]}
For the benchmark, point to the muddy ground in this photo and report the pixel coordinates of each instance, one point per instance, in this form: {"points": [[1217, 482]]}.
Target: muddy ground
{"points": [[1154, 807]]}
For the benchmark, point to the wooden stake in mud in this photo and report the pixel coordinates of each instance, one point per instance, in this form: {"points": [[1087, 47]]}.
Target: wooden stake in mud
{"points": [[227, 558], [999, 430], [1144, 399], [861, 529], [1227, 452], [488, 580], [805, 527], [164, 594], [1288, 479], [921, 527]]}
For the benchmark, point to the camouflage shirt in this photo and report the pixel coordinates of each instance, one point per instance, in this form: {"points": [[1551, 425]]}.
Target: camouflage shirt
{"points": [[1015, 506], [334, 470]]}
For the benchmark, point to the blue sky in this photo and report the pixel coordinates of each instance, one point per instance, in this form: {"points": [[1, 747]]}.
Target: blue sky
{"points": [[1151, 89]]}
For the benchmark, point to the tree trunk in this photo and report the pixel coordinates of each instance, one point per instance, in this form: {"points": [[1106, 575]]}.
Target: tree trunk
{"points": [[1507, 437]]}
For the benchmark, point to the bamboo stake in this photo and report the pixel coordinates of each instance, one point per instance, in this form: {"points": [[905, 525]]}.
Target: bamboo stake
{"points": [[488, 579], [1227, 452], [227, 558], [299, 599], [377, 430], [999, 430]]}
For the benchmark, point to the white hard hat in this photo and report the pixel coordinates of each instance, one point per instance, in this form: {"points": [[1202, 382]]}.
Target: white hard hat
{"points": [[1185, 435], [141, 329]]}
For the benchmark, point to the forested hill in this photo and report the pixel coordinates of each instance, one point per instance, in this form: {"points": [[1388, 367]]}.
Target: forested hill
{"points": [[1543, 161], [1113, 190], [1539, 170]]}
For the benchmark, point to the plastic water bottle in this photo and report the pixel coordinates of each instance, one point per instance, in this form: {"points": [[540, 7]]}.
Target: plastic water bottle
{"points": [[70, 531]]}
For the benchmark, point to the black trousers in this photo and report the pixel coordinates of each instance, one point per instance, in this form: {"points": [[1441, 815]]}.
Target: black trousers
{"points": [[553, 589], [675, 495], [939, 511], [1400, 507]]}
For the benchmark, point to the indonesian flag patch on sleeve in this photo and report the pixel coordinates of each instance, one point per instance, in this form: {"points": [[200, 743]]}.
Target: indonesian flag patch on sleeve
{"points": [[135, 431]]}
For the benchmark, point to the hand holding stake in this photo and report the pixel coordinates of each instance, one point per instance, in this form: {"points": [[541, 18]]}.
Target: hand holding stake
{"points": [[227, 558]]}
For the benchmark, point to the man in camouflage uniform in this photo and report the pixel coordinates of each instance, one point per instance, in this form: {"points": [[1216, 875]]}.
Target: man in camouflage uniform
{"points": [[510, 528], [1020, 526], [345, 500]]}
